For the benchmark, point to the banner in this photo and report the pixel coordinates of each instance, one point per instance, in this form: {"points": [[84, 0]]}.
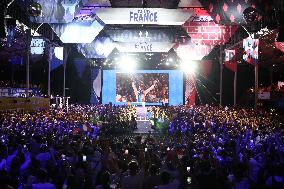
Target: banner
{"points": [[17, 92], [80, 65], [144, 47], [78, 31], [190, 89], [27, 104], [280, 86], [230, 61], [280, 46], [205, 67], [156, 34], [250, 54], [152, 16], [37, 46], [56, 57]]}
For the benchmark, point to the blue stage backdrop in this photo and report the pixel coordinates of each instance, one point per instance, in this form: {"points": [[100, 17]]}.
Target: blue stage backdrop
{"points": [[154, 87]]}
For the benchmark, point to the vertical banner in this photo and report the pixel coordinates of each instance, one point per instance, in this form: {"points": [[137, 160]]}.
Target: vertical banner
{"points": [[230, 60], [96, 79], [205, 67], [280, 46], [57, 58], [250, 54], [190, 89]]}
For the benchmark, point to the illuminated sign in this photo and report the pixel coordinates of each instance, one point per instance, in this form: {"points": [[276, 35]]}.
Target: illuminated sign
{"points": [[157, 16], [156, 34], [144, 47], [37, 46], [143, 16]]}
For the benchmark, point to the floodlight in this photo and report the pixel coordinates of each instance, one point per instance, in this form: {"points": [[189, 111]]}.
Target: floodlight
{"points": [[127, 63], [188, 66]]}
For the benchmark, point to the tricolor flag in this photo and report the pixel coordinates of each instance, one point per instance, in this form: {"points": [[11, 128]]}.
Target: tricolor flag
{"points": [[250, 54], [85, 127], [280, 46], [230, 60], [190, 89]]}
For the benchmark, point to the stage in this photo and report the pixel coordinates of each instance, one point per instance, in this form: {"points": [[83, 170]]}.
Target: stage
{"points": [[143, 123]]}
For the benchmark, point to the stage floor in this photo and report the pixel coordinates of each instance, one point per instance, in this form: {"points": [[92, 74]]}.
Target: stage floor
{"points": [[143, 124]]}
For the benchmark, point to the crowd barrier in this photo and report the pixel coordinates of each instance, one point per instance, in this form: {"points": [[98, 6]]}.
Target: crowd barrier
{"points": [[32, 103]]}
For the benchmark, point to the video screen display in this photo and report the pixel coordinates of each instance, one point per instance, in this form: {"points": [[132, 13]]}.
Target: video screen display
{"points": [[152, 87], [142, 87]]}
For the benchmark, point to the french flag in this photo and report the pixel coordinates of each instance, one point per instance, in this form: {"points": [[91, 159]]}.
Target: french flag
{"points": [[85, 127]]}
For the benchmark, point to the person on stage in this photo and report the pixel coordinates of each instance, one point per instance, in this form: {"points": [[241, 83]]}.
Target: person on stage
{"points": [[141, 94]]}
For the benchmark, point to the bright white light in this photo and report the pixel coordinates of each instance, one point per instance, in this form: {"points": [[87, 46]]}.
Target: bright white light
{"points": [[188, 67], [127, 64], [58, 51], [76, 32]]}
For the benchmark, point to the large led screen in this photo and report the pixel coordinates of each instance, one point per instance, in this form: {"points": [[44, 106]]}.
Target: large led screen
{"points": [[142, 87], [154, 87]]}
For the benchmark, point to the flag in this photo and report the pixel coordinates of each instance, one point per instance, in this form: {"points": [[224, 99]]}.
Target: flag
{"points": [[190, 89], [279, 45], [250, 54], [230, 60], [205, 68], [85, 127]]}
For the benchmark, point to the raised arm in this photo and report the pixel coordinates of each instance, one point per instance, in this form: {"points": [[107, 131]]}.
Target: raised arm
{"points": [[134, 88], [150, 88]]}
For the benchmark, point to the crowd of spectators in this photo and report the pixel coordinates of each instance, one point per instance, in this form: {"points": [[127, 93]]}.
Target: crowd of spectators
{"points": [[276, 87], [204, 147]]}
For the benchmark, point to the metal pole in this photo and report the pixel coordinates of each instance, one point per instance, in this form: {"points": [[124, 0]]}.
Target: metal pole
{"points": [[256, 85], [271, 75], [64, 68], [235, 87], [221, 76], [49, 62], [28, 63]]}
